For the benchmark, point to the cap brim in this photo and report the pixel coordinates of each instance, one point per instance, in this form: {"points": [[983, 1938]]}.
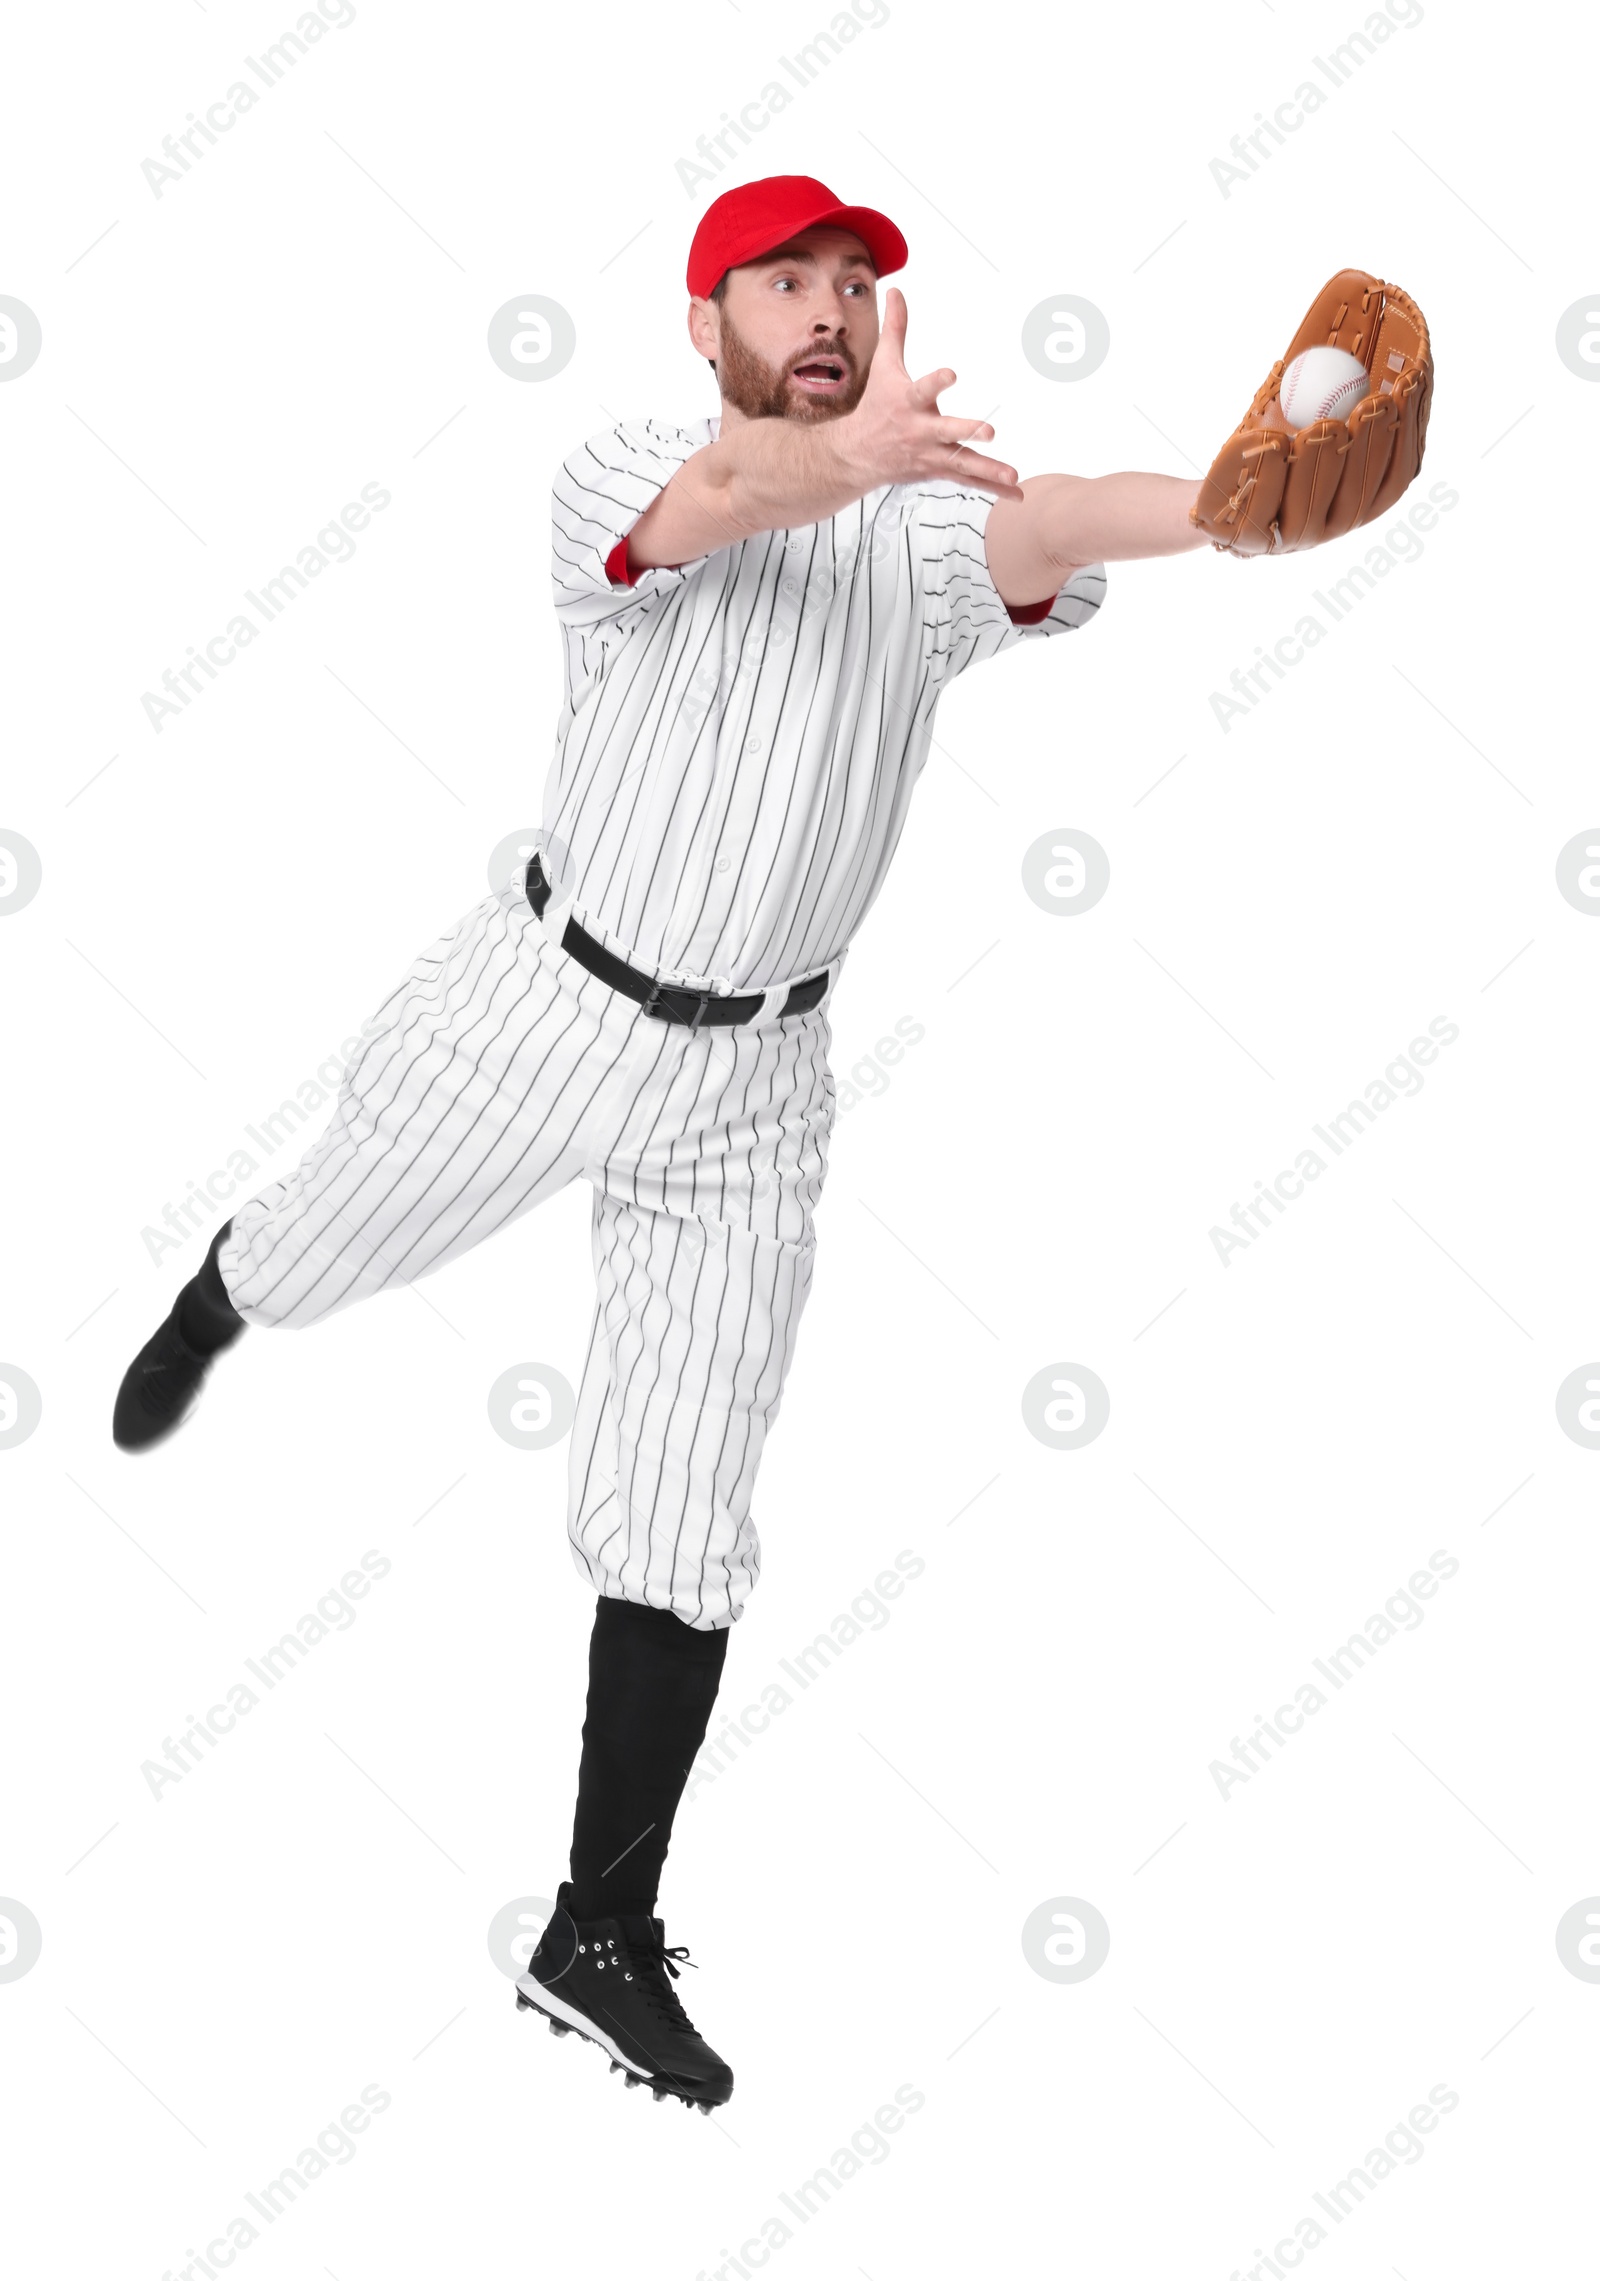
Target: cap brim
{"points": [[877, 233]]}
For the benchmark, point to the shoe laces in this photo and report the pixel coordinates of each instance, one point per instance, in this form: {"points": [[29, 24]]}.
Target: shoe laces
{"points": [[655, 1961]]}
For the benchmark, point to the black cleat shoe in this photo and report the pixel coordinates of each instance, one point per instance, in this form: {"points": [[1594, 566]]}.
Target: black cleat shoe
{"points": [[159, 1387], [608, 1980]]}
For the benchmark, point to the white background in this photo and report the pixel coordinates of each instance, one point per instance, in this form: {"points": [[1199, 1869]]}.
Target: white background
{"points": [[1372, 1381]]}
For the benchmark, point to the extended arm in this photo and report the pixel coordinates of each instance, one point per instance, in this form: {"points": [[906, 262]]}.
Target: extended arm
{"points": [[775, 475], [1061, 522]]}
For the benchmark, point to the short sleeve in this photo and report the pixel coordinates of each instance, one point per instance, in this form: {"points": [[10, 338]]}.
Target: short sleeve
{"points": [[964, 618], [599, 493]]}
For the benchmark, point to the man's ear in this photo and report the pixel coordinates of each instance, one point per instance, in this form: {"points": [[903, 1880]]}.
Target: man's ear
{"points": [[704, 329]]}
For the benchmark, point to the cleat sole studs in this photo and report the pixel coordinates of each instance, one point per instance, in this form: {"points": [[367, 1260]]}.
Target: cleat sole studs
{"points": [[630, 2077]]}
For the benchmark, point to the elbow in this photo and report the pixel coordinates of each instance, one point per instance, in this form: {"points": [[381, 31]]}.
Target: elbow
{"points": [[731, 508], [1060, 519]]}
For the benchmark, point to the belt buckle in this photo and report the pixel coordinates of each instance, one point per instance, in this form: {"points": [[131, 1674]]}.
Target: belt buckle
{"points": [[654, 1005]]}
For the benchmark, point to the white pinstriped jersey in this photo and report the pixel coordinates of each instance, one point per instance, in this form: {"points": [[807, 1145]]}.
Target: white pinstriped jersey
{"points": [[739, 743], [741, 736]]}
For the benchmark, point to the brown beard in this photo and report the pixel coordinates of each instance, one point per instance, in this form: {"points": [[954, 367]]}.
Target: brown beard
{"points": [[761, 391]]}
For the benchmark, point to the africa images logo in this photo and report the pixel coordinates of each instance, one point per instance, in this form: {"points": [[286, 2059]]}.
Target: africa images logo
{"points": [[793, 75], [1402, 1079]]}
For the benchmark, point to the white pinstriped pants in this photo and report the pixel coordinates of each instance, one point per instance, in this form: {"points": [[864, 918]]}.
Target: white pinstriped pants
{"points": [[501, 1069]]}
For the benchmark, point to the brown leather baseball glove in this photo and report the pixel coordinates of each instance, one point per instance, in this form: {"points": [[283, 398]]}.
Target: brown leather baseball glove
{"points": [[1269, 491]]}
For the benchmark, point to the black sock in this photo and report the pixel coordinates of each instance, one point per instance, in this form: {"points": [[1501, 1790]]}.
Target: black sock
{"points": [[652, 1682], [207, 1317]]}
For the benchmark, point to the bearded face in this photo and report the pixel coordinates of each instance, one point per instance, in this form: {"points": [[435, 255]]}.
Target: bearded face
{"points": [[820, 381]]}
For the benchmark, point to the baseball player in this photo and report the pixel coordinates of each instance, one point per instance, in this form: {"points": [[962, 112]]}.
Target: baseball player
{"points": [[758, 613]]}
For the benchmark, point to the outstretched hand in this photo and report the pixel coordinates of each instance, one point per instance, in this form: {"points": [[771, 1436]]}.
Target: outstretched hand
{"points": [[897, 432]]}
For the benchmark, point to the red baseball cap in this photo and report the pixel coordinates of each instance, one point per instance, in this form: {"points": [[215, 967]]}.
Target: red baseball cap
{"points": [[757, 216]]}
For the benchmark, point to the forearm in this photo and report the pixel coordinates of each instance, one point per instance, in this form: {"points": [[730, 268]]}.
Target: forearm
{"points": [[780, 474], [766, 475], [1111, 518], [1062, 522]]}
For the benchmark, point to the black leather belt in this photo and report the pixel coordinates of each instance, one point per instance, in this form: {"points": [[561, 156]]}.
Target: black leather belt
{"points": [[692, 1008]]}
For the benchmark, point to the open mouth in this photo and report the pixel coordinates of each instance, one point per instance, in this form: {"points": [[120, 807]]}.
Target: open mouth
{"points": [[821, 375]]}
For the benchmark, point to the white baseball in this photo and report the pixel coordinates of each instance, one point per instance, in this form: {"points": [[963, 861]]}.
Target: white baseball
{"points": [[1322, 384]]}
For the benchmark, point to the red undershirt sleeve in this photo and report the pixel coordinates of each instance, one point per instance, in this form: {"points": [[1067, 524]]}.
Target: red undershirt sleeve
{"points": [[1030, 613]]}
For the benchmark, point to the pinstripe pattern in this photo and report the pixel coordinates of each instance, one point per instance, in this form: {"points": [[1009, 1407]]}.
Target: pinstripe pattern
{"points": [[741, 736], [735, 755], [499, 1070]]}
